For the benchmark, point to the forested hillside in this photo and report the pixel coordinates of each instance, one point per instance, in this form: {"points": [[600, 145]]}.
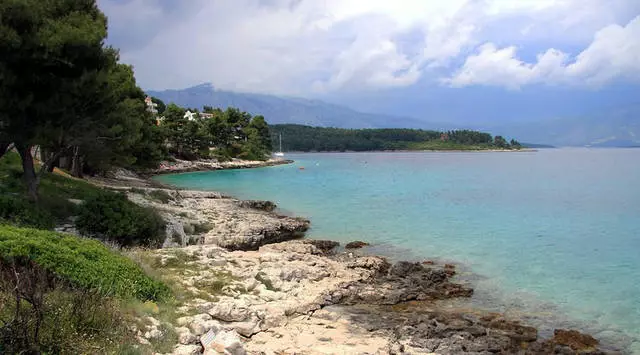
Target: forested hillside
{"points": [[320, 139]]}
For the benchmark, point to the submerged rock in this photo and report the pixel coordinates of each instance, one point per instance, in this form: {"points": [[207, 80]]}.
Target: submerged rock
{"points": [[574, 339], [356, 245]]}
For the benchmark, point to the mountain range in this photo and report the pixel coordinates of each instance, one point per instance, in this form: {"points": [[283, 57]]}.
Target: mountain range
{"points": [[615, 127]]}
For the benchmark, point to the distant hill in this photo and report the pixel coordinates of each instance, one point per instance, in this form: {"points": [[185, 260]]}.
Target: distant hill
{"points": [[278, 110], [615, 127]]}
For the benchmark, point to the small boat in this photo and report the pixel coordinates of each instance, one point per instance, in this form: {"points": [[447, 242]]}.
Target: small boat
{"points": [[279, 153]]}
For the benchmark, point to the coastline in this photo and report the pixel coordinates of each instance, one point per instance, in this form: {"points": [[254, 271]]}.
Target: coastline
{"points": [[185, 166], [423, 151], [362, 304]]}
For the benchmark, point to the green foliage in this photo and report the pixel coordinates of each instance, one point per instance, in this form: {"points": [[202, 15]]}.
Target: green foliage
{"points": [[83, 263], [115, 218], [221, 134], [20, 212], [305, 138], [500, 142], [161, 105], [55, 192]]}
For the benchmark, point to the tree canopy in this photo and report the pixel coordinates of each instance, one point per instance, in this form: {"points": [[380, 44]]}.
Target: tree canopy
{"points": [[305, 138]]}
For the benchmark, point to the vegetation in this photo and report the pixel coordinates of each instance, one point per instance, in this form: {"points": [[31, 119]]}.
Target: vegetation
{"points": [[102, 213], [305, 139], [66, 98], [113, 217], [216, 133], [81, 262], [68, 107], [64, 294]]}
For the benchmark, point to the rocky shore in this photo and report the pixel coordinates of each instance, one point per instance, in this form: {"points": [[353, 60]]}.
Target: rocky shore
{"points": [[251, 285], [184, 166]]}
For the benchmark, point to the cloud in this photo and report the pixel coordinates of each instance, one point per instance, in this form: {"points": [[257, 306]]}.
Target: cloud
{"points": [[614, 54], [306, 47]]}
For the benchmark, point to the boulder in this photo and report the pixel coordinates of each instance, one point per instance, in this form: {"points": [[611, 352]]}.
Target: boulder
{"points": [[230, 311], [184, 336], [223, 342]]}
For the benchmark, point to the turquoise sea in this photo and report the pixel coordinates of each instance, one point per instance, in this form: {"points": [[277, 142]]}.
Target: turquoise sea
{"points": [[552, 236]]}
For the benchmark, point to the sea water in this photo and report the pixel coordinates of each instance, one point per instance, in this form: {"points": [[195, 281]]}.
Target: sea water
{"points": [[551, 235]]}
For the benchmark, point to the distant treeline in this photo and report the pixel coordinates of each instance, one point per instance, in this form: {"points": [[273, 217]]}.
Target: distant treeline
{"points": [[308, 139]]}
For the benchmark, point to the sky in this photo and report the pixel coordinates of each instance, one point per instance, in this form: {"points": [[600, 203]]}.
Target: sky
{"points": [[410, 57]]}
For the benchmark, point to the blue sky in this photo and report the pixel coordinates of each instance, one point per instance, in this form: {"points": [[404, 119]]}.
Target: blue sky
{"points": [[490, 59]]}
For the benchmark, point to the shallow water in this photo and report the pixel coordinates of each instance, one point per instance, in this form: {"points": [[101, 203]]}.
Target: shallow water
{"points": [[553, 233]]}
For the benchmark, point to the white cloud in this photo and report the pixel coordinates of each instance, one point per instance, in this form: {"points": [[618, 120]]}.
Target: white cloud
{"points": [[614, 54], [300, 46]]}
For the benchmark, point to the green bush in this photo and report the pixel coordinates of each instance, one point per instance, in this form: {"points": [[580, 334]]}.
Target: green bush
{"points": [[111, 216], [62, 294], [83, 263], [20, 212]]}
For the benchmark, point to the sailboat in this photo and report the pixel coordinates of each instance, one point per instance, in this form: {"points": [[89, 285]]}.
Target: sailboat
{"points": [[279, 153]]}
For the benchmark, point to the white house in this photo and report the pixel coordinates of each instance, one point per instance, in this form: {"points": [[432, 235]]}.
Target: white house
{"points": [[151, 106], [191, 116]]}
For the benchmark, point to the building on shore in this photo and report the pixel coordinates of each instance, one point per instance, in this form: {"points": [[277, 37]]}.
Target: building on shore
{"points": [[151, 106]]}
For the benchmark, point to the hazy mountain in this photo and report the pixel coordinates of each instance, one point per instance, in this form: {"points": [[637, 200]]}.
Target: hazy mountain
{"points": [[277, 109], [618, 126]]}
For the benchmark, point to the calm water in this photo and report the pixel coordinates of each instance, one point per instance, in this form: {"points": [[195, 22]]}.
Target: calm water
{"points": [[554, 234]]}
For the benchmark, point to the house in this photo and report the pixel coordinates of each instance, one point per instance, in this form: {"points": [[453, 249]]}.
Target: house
{"points": [[205, 115], [151, 106], [190, 115]]}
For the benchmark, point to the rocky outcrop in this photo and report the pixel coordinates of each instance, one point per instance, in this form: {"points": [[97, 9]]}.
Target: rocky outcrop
{"points": [[200, 217], [294, 297]]}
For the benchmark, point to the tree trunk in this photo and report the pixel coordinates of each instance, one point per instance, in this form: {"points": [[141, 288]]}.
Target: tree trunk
{"points": [[76, 163], [47, 156], [30, 177]]}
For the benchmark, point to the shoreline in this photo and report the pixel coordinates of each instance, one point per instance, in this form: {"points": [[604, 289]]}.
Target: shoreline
{"points": [[421, 151], [247, 233], [186, 166]]}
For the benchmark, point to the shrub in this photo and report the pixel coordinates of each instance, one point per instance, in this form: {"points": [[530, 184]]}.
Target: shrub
{"points": [[49, 316], [80, 262], [24, 213], [113, 217]]}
